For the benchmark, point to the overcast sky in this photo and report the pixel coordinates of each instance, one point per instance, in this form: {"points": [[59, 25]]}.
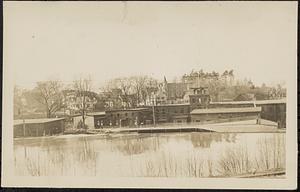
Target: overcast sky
{"points": [[44, 40]]}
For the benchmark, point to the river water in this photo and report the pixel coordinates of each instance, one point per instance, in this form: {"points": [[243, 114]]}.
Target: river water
{"points": [[150, 155]]}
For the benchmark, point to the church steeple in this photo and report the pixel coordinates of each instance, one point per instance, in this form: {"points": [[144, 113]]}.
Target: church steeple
{"points": [[165, 85], [165, 80]]}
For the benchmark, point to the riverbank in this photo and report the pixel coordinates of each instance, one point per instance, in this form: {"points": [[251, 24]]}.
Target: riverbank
{"points": [[248, 126], [272, 173], [268, 174]]}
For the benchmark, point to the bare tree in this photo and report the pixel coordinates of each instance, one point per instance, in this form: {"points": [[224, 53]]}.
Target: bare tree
{"points": [[50, 95], [17, 100], [139, 83], [150, 86], [82, 87], [132, 90], [142, 85]]}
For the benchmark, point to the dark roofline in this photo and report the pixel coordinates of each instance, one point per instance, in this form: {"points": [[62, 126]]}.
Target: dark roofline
{"points": [[171, 105], [130, 109]]}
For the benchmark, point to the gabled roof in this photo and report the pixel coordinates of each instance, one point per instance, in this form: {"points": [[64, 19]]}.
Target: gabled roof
{"points": [[226, 110], [245, 97]]}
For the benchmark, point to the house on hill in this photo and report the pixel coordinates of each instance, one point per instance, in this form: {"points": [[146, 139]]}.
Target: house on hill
{"points": [[245, 97]]}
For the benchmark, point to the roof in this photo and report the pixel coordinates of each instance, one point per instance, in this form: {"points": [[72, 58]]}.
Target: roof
{"points": [[130, 109], [258, 102], [180, 116], [96, 113], [278, 101], [172, 105], [226, 110], [177, 84], [32, 121], [245, 97]]}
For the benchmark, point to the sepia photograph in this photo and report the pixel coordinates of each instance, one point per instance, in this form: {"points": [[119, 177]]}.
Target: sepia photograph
{"points": [[183, 94]]}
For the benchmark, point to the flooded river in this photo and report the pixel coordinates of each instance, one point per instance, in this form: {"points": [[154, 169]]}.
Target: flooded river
{"points": [[150, 155]]}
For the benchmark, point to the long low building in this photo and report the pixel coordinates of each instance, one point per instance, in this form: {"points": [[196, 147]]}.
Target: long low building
{"points": [[38, 127], [122, 117], [168, 113], [272, 110], [225, 114]]}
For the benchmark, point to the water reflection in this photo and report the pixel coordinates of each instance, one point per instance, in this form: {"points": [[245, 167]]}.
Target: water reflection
{"points": [[150, 155], [204, 140], [133, 146]]}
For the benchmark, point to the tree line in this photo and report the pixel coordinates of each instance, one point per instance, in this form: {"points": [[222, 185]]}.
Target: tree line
{"points": [[49, 97]]}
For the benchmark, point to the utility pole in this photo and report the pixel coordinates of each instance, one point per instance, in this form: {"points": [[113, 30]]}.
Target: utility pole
{"points": [[153, 111], [24, 132], [64, 106], [23, 101]]}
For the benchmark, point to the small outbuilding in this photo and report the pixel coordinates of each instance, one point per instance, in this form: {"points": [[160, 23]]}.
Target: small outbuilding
{"points": [[38, 127], [99, 119]]}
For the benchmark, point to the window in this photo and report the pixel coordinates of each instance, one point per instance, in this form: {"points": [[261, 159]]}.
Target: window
{"points": [[199, 100]]}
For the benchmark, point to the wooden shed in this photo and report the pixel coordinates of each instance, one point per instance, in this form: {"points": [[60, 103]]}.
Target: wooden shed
{"points": [[38, 127], [225, 114]]}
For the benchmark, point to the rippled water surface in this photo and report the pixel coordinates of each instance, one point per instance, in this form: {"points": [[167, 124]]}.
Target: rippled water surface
{"points": [[150, 155]]}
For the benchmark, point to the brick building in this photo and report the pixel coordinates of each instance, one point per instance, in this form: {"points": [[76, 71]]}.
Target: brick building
{"points": [[133, 117], [200, 98], [172, 113]]}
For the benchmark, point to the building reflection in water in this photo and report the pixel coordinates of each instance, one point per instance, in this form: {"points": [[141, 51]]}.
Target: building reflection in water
{"points": [[139, 145], [134, 146], [204, 140]]}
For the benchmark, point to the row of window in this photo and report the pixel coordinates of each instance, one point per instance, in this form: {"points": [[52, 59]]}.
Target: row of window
{"points": [[160, 98], [126, 114], [180, 110]]}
